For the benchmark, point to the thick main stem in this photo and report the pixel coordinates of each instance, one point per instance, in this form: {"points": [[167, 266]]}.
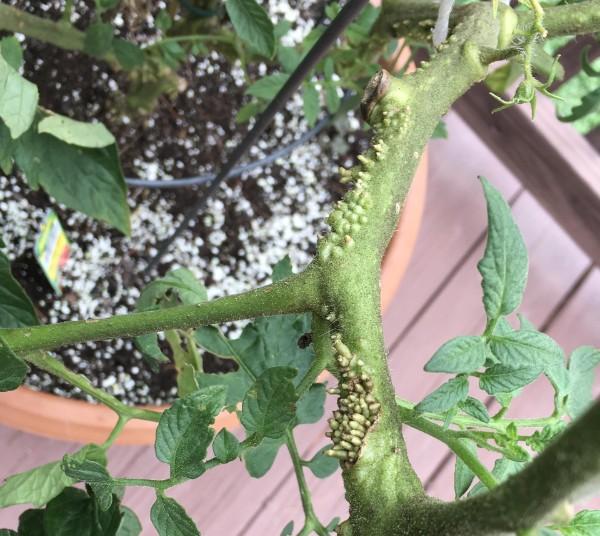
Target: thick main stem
{"points": [[404, 114], [566, 468]]}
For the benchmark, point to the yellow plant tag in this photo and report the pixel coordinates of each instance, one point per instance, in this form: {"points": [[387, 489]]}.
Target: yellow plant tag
{"points": [[52, 249]]}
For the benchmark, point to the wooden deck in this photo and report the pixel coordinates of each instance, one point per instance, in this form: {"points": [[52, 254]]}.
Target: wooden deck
{"points": [[439, 298]]}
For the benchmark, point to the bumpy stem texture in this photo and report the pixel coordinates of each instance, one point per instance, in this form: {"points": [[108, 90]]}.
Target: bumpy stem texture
{"points": [[403, 114], [565, 469]]}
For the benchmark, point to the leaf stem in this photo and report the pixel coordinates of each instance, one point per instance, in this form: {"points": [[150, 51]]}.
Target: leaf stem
{"points": [[237, 357], [311, 523], [495, 424], [56, 368], [217, 38], [160, 485], [456, 445], [323, 353], [115, 432]]}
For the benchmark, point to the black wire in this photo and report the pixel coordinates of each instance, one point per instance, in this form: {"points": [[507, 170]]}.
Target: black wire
{"points": [[318, 50], [238, 170]]}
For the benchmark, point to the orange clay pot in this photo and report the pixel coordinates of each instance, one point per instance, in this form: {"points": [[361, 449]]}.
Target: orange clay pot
{"points": [[56, 417]]}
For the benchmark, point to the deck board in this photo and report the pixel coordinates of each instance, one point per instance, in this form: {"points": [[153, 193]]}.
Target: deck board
{"points": [[439, 298]]}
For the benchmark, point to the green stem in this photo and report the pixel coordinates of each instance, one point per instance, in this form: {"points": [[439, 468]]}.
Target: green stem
{"points": [[454, 443], [58, 33], [116, 431], [67, 12], [570, 19], [311, 523], [323, 353], [55, 33], [56, 368], [217, 38], [192, 350], [149, 483], [237, 357], [494, 424], [293, 295]]}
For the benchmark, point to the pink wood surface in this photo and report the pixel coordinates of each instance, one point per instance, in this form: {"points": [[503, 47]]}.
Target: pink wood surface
{"points": [[439, 298]]}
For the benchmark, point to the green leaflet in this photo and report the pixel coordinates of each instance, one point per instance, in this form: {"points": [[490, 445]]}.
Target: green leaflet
{"points": [[446, 396], [526, 348], [88, 180], [585, 523], [37, 486], [163, 20], [16, 309], [267, 87], [7, 145], [461, 354], [177, 286], [75, 513], [504, 264], [12, 368], [270, 404], [235, 383], [260, 459], [94, 474], [7, 532], [19, 99], [359, 30], [41, 484], [226, 446], [463, 476], [288, 530], [580, 105], [91, 135], [11, 51], [332, 97], [170, 519], [288, 57], [184, 431], [322, 465], [267, 343], [128, 54], [130, 524], [98, 39], [181, 282], [504, 379], [310, 97], [212, 339], [582, 363], [253, 25], [311, 406], [440, 132], [31, 523], [475, 408]]}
